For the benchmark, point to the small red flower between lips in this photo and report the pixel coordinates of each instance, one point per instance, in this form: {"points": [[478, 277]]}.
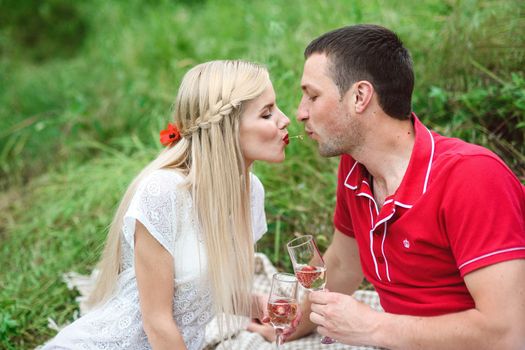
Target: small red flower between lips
{"points": [[169, 135]]}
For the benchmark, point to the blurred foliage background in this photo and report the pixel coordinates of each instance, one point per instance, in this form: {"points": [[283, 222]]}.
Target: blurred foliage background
{"points": [[85, 87]]}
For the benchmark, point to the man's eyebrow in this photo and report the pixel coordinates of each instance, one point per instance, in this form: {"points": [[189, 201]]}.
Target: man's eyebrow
{"points": [[306, 87]]}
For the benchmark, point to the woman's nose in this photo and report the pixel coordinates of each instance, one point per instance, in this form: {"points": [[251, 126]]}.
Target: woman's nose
{"points": [[285, 121]]}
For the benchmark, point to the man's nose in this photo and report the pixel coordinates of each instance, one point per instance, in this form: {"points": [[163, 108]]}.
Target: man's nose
{"points": [[302, 112]]}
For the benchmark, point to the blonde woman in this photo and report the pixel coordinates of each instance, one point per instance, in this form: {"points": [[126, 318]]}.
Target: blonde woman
{"points": [[180, 248]]}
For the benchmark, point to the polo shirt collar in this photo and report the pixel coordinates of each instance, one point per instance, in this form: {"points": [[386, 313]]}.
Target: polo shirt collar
{"points": [[415, 180]]}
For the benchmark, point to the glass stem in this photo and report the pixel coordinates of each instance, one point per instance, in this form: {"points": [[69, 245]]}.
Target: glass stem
{"points": [[325, 339], [278, 339]]}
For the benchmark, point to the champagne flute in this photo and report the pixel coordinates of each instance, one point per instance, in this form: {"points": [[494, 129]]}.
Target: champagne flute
{"points": [[282, 303], [308, 266]]}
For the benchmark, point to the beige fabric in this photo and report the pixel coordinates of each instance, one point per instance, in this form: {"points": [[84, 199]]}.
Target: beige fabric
{"points": [[243, 339]]}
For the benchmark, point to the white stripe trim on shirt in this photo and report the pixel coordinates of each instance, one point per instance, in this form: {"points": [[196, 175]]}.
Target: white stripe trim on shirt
{"points": [[347, 176], [384, 219], [398, 203], [363, 194], [429, 162], [490, 254], [371, 215], [373, 255], [403, 205], [384, 255]]}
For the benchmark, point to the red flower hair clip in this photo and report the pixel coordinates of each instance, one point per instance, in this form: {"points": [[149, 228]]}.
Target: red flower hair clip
{"points": [[169, 135]]}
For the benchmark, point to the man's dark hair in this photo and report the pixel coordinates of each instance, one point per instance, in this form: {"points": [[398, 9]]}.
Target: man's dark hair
{"points": [[373, 53]]}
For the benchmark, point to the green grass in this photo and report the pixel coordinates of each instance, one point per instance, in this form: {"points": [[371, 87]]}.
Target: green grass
{"points": [[79, 117], [53, 235]]}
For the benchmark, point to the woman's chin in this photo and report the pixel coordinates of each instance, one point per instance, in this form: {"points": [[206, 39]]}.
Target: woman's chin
{"points": [[275, 158], [279, 159]]}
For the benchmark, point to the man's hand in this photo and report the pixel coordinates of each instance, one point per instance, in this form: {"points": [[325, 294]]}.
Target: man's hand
{"points": [[341, 317], [497, 322]]}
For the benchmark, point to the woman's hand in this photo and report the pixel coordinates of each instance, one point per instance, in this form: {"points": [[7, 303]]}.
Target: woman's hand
{"points": [[261, 323]]}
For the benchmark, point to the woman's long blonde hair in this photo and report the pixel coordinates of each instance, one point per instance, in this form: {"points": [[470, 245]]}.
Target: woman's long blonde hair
{"points": [[207, 112]]}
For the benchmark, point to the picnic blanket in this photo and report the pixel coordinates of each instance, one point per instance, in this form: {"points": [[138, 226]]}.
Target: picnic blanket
{"points": [[242, 339]]}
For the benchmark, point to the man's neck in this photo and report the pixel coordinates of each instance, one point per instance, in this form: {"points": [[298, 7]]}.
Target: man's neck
{"points": [[386, 154]]}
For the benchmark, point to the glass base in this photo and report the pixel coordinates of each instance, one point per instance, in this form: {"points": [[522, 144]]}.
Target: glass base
{"points": [[328, 340]]}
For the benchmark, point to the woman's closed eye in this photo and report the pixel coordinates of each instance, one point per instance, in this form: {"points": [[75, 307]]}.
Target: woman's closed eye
{"points": [[267, 112]]}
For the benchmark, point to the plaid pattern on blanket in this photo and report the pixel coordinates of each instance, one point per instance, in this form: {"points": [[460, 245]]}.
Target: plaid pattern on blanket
{"points": [[242, 339]]}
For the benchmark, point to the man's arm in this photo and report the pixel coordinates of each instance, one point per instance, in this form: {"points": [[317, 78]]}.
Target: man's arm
{"points": [[344, 275], [496, 322]]}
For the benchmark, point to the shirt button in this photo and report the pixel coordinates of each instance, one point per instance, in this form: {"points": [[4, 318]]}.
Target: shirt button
{"points": [[380, 259]]}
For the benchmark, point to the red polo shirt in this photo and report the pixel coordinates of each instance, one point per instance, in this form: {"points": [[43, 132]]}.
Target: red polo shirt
{"points": [[457, 209]]}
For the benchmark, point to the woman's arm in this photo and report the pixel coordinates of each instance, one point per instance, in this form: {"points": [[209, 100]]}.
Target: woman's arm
{"points": [[259, 302], [155, 275]]}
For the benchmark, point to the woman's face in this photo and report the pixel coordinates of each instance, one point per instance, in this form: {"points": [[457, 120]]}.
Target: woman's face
{"points": [[263, 131]]}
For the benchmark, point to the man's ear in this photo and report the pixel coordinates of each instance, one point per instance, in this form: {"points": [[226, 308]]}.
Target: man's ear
{"points": [[363, 93]]}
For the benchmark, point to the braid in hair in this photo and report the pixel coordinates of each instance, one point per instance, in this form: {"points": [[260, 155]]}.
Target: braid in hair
{"points": [[219, 112]]}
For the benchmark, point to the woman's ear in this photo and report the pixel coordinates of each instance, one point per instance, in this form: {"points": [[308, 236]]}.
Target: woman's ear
{"points": [[363, 93]]}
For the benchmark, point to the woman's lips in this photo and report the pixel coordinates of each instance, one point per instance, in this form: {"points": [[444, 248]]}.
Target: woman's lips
{"points": [[285, 139]]}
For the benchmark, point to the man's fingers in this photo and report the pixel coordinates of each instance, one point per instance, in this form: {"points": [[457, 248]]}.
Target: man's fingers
{"points": [[316, 318], [316, 308], [322, 330], [319, 297]]}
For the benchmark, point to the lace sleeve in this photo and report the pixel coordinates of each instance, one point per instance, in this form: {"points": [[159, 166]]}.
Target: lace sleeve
{"points": [[154, 205], [259, 225]]}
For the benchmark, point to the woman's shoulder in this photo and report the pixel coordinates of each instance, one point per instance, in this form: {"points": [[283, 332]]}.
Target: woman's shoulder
{"points": [[163, 180], [256, 184]]}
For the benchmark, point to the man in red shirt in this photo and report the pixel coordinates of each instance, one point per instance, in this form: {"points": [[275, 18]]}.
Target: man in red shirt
{"points": [[434, 223]]}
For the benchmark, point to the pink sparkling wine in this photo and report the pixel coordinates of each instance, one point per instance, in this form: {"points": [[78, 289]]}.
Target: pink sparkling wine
{"points": [[282, 312], [311, 277]]}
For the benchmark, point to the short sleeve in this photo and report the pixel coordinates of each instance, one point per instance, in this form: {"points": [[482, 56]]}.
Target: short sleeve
{"points": [[154, 206], [483, 213], [259, 225], [342, 217]]}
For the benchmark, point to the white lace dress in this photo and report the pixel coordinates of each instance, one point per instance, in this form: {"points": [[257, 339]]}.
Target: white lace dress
{"points": [[165, 209]]}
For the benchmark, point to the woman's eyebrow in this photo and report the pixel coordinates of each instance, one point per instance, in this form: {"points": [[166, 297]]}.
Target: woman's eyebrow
{"points": [[267, 106]]}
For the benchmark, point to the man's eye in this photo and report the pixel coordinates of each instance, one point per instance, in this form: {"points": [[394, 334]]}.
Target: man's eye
{"points": [[312, 98]]}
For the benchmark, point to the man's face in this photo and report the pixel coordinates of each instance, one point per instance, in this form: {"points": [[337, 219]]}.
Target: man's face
{"points": [[326, 115]]}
